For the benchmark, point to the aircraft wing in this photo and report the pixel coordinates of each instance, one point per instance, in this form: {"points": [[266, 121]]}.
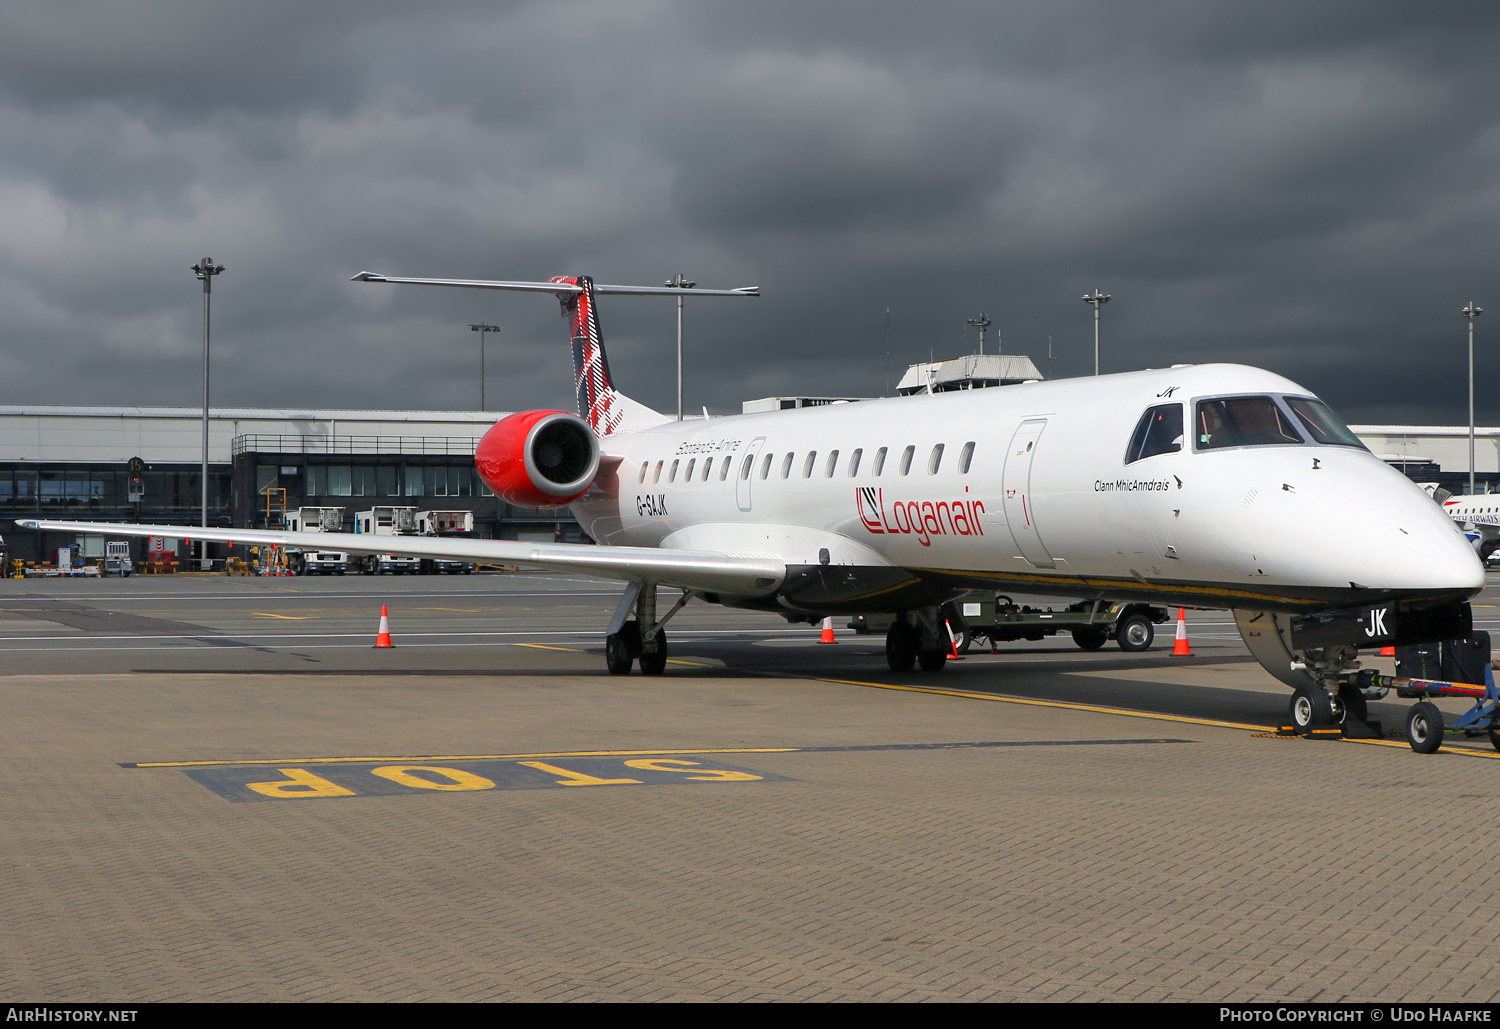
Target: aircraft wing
{"points": [[706, 570]]}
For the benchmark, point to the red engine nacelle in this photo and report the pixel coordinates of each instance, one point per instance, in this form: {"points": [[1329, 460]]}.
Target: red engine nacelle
{"points": [[538, 458]]}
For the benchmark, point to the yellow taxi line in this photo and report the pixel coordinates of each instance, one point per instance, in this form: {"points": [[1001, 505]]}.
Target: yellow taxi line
{"points": [[999, 699], [1459, 751]]}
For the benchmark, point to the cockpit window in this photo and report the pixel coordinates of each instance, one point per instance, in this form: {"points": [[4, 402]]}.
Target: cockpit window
{"points": [[1242, 422], [1321, 423], [1158, 432]]}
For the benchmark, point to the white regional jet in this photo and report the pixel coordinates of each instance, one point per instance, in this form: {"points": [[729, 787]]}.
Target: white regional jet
{"points": [[1218, 486], [1478, 515]]}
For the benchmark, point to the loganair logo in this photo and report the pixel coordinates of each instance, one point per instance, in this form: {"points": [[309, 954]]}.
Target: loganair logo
{"points": [[923, 519]]}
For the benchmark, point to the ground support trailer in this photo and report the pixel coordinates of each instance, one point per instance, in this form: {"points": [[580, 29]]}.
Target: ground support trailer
{"points": [[998, 619]]}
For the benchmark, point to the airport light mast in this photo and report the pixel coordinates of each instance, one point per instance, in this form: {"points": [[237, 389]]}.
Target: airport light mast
{"points": [[205, 271], [981, 323], [482, 328], [679, 281], [1098, 299], [1471, 312]]}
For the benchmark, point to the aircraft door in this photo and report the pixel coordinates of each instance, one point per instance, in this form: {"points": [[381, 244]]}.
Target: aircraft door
{"points": [[1020, 512], [744, 472]]}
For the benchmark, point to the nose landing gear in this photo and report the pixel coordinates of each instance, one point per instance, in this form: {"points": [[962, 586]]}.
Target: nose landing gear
{"points": [[1311, 708]]}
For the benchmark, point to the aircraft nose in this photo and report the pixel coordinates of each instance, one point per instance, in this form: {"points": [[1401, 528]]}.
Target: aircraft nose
{"points": [[1410, 544], [1435, 557], [1363, 524]]}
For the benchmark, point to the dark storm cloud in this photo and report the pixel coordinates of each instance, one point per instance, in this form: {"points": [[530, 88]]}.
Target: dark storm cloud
{"points": [[1310, 188]]}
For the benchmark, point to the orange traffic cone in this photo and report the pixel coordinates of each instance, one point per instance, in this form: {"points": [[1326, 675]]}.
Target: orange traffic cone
{"points": [[383, 637], [827, 636], [1387, 651], [952, 642], [1180, 646]]}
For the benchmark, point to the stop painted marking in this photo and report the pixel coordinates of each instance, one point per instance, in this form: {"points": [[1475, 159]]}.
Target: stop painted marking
{"points": [[255, 783]]}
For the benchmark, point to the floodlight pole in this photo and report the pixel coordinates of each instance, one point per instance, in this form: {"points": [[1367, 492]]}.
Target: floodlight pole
{"points": [[981, 323], [1098, 299], [482, 328], [679, 281], [1471, 312], [205, 271]]}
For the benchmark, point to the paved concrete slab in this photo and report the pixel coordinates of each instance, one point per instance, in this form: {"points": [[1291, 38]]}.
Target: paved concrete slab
{"points": [[991, 832]]}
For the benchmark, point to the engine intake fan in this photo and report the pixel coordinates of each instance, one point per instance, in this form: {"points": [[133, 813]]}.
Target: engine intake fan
{"points": [[538, 458]]}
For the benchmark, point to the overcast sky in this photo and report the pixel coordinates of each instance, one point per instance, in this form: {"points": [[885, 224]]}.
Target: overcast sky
{"points": [[1311, 188]]}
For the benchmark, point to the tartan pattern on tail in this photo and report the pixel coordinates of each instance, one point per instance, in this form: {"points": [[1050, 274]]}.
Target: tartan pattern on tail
{"points": [[598, 402]]}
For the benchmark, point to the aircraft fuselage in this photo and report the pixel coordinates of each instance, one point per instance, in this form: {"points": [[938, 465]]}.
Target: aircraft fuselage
{"points": [[889, 504]]}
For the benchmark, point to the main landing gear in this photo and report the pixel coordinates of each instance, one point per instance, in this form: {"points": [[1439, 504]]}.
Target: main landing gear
{"points": [[626, 643], [916, 638]]}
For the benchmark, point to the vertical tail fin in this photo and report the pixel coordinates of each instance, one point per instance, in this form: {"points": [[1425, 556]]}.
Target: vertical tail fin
{"points": [[605, 408]]}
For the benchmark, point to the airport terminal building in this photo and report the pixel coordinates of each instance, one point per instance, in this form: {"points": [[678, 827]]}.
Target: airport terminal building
{"points": [[142, 464]]}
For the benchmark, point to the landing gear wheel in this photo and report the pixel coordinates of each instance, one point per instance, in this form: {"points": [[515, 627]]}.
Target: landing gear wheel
{"points": [[1311, 708], [932, 660], [1424, 728], [1090, 638], [1135, 633], [962, 640], [617, 655], [1353, 705], [901, 646], [654, 660]]}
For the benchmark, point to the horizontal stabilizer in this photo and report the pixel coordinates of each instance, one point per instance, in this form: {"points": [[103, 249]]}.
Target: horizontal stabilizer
{"points": [[709, 571], [561, 288]]}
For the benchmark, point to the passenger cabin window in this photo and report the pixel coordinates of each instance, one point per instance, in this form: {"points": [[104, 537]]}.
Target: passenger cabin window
{"points": [[854, 462], [1158, 432], [807, 466], [906, 456], [1322, 424], [672, 475], [765, 465], [880, 460], [786, 465], [833, 462], [935, 461], [687, 476], [1242, 422], [657, 477], [724, 468], [745, 468], [645, 465], [707, 465], [965, 457]]}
